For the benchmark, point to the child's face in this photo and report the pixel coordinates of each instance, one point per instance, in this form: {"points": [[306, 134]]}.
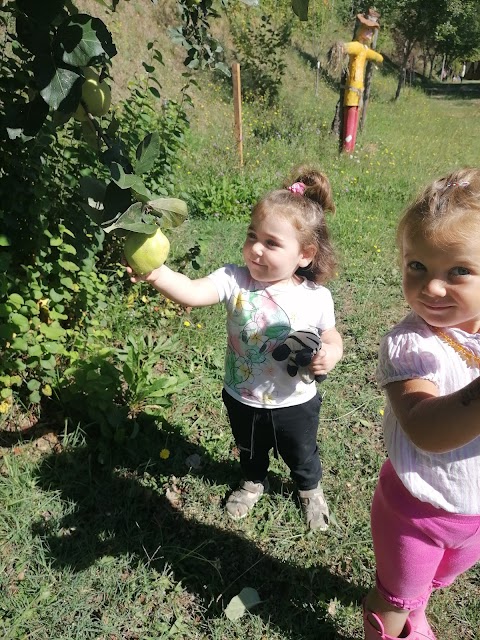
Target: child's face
{"points": [[442, 284], [272, 251]]}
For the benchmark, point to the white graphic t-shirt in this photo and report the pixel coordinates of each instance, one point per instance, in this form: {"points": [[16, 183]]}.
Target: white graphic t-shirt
{"points": [[259, 318]]}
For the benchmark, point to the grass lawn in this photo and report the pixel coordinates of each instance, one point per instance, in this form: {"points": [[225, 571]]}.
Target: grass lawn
{"points": [[138, 547]]}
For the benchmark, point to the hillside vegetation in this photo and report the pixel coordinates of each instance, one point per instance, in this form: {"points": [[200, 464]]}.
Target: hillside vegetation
{"points": [[113, 524]]}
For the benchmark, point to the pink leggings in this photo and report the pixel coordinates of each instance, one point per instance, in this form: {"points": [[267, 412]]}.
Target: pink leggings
{"points": [[417, 546]]}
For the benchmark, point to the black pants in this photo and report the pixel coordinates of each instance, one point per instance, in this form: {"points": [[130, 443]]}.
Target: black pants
{"points": [[290, 431]]}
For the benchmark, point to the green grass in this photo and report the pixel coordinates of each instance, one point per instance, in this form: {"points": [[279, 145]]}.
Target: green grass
{"points": [[140, 548]]}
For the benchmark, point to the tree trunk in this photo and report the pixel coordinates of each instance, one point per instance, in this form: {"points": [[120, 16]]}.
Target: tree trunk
{"points": [[368, 83], [337, 122], [407, 49]]}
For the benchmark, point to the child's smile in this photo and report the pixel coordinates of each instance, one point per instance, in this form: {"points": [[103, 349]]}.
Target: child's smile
{"points": [[443, 284], [272, 251]]}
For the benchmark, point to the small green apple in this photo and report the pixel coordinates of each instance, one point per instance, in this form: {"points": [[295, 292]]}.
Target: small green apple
{"points": [[96, 95], [145, 252]]}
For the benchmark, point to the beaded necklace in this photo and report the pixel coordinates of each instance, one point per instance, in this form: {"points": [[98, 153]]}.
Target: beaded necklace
{"points": [[470, 358]]}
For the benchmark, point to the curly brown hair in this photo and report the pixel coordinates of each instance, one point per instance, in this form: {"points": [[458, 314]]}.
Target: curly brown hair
{"points": [[306, 213]]}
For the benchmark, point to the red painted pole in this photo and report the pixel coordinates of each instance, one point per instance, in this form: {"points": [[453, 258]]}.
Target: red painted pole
{"points": [[350, 128]]}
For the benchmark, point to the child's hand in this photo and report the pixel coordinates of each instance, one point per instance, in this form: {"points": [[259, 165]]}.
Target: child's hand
{"points": [[135, 278], [328, 356]]}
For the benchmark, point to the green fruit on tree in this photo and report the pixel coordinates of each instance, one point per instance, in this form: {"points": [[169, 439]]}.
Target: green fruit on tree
{"points": [[145, 252], [96, 96]]}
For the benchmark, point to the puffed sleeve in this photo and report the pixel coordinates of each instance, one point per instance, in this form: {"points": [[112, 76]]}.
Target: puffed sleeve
{"points": [[224, 278], [406, 355]]}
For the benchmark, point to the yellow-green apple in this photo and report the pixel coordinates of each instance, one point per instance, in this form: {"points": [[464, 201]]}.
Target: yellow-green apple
{"points": [[96, 96], [145, 252]]}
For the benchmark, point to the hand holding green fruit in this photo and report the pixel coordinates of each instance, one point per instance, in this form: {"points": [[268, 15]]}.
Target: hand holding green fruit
{"points": [[146, 252]]}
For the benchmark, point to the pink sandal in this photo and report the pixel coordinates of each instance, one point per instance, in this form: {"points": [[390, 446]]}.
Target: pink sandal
{"points": [[372, 633]]}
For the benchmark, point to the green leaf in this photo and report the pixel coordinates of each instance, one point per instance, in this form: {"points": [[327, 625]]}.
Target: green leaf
{"points": [[48, 363], [82, 40], [142, 196], [147, 152], [53, 331], [300, 9], [68, 266], [19, 344], [172, 211], [35, 351], [24, 119], [131, 220], [68, 248], [57, 85], [244, 601], [20, 321], [125, 180], [34, 397], [68, 283], [56, 296], [53, 347], [16, 300], [128, 374], [90, 135]]}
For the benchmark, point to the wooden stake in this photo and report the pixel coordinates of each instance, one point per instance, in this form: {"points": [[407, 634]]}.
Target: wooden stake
{"points": [[368, 82], [237, 102]]}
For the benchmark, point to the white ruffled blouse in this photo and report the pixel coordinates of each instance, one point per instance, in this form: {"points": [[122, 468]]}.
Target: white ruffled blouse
{"points": [[449, 480]]}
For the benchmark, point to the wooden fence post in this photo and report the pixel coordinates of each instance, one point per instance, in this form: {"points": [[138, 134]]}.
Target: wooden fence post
{"points": [[237, 102]]}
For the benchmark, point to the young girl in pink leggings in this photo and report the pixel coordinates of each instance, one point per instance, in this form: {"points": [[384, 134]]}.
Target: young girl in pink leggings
{"points": [[426, 508]]}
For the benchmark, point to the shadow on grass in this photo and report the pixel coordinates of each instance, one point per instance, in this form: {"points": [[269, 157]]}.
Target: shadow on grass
{"points": [[116, 514], [454, 90], [331, 82]]}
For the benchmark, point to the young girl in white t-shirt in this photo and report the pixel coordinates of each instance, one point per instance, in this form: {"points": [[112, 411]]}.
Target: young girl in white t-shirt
{"points": [[426, 509], [288, 258]]}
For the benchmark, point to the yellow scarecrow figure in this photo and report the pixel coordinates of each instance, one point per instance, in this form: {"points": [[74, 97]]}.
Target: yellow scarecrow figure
{"points": [[359, 54]]}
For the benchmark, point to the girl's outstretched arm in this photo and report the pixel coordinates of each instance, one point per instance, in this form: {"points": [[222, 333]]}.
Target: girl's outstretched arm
{"points": [[178, 287], [330, 353], [436, 423]]}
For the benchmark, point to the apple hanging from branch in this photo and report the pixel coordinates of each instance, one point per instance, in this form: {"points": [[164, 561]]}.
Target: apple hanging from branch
{"points": [[125, 206], [96, 96]]}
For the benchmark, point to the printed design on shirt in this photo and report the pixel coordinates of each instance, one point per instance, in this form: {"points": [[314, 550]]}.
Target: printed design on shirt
{"points": [[256, 325]]}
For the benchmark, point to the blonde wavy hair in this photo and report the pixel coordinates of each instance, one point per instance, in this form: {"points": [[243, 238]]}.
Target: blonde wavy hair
{"points": [[447, 210]]}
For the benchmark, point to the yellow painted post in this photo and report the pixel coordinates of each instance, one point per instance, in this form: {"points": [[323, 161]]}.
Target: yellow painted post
{"points": [[237, 102]]}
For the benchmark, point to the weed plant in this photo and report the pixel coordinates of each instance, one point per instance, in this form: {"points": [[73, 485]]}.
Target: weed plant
{"points": [[139, 547]]}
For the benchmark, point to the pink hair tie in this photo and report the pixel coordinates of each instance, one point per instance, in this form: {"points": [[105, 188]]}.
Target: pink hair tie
{"points": [[458, 184], [297, 187]]}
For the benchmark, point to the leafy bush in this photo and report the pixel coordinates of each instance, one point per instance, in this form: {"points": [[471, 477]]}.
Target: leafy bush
{"points": [[260, 49], [229, 197], [140, 114], [53, 257], [49, 281], [110, 391]]}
